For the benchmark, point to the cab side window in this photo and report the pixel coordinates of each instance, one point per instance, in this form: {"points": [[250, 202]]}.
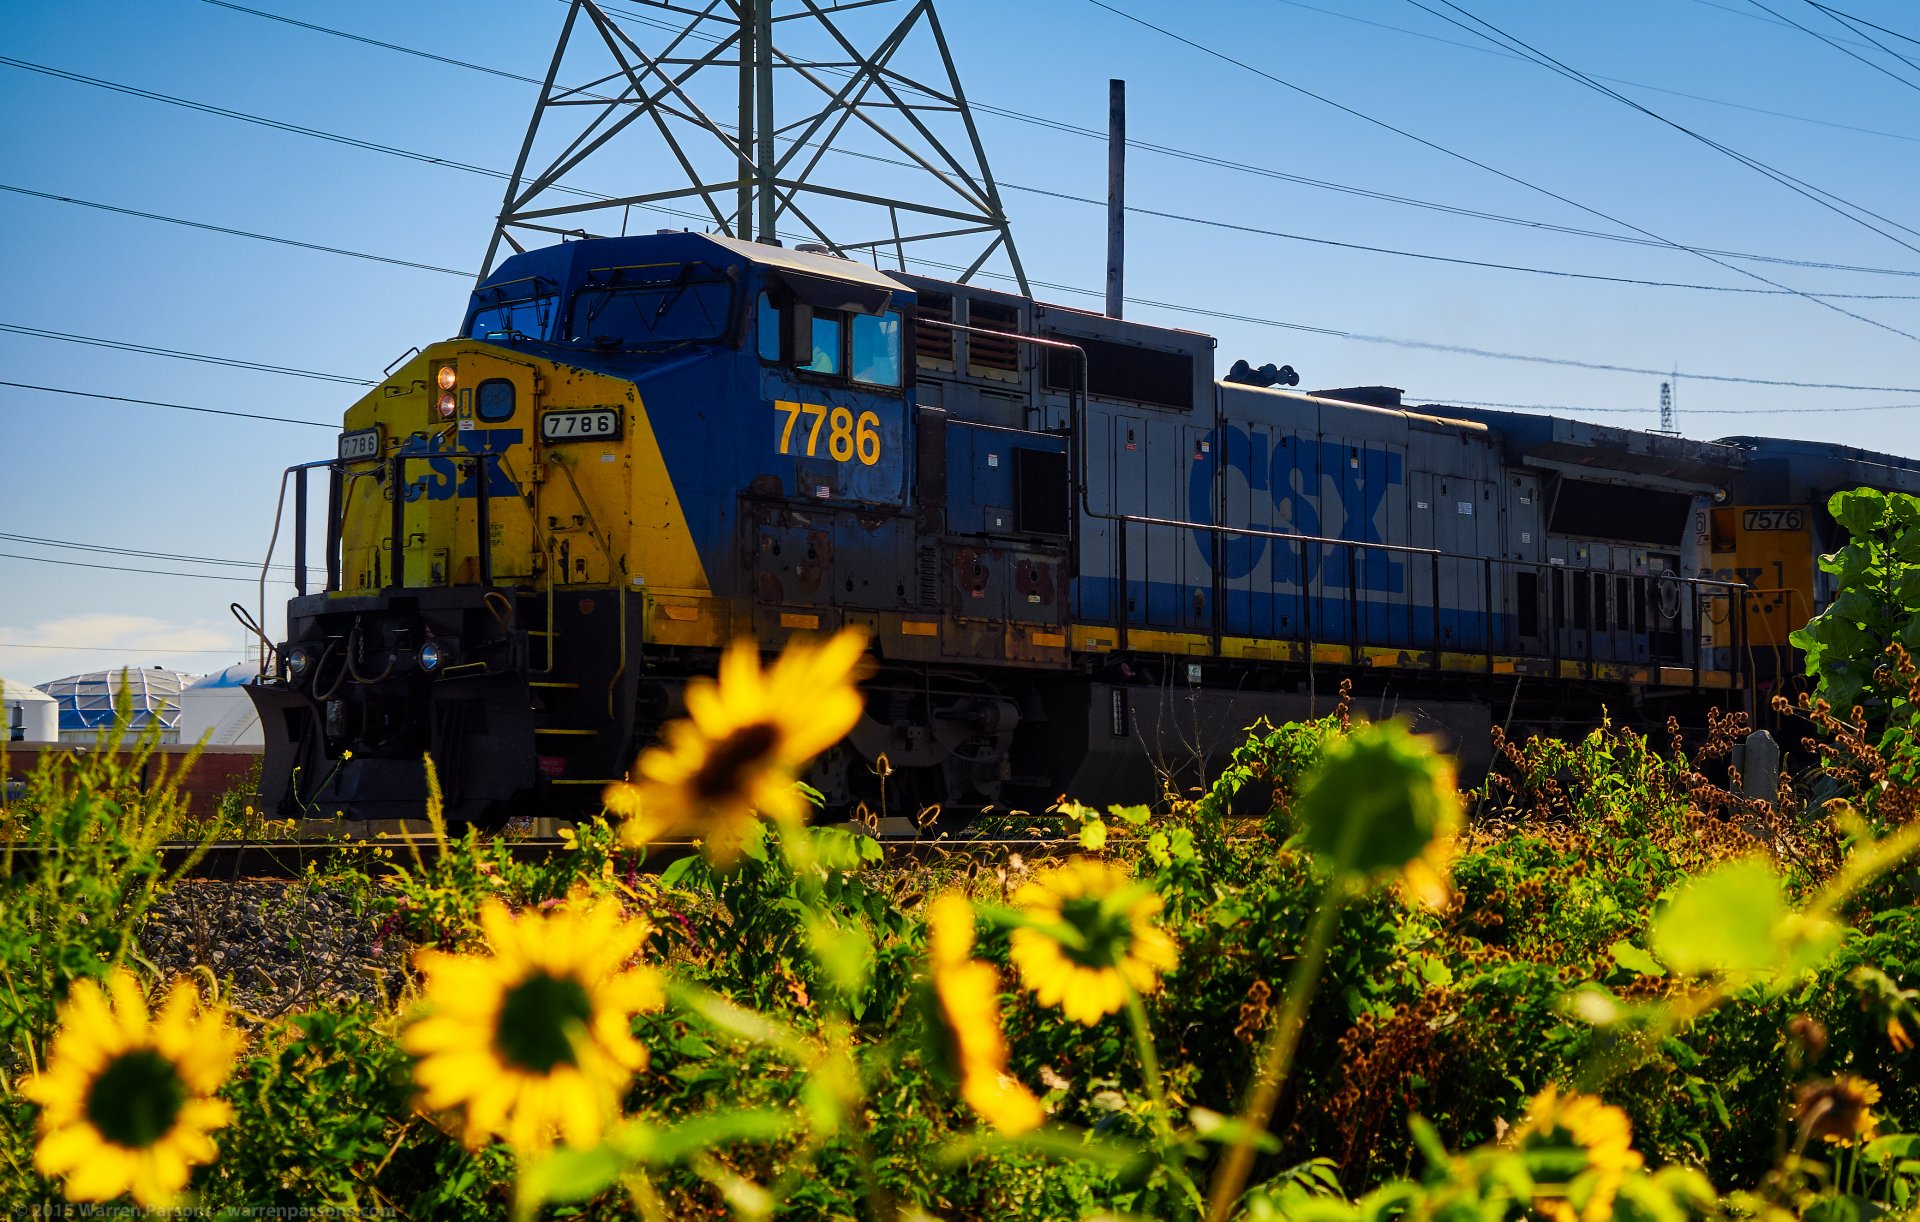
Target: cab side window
{"points": [[829, 334], [770, 324], [865, 349], [876, 349]]}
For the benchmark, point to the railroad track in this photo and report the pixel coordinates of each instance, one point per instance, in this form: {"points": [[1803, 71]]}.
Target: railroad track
{"points": [[287, 859]]}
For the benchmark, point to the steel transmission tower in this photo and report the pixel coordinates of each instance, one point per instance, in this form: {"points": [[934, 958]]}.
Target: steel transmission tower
{"points": [[866, 92]]}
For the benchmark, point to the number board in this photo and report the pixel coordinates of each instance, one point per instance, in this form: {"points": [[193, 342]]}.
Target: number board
{"points": [[359, 445], [1772, 519], [591, 424]]}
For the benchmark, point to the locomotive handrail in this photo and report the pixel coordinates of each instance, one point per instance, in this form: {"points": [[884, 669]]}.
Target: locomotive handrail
{"points": [[1703, 587]]}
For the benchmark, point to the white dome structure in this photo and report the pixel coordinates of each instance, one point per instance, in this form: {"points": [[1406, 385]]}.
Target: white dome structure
{"points": [[217, 706], [32, 715], [86, 701]]}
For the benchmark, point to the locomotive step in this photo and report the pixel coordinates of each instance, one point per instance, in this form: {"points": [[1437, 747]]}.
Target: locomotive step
{"points": [[550, 683], [559, 730]]}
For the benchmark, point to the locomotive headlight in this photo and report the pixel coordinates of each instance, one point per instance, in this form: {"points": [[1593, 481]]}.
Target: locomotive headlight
{"points": [[446, 406], [430, 656], [297, 662], [447, 377]]}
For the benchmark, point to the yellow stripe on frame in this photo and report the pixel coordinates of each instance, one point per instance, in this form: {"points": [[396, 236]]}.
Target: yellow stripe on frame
{"points": [[912, 627], [790, 620]]}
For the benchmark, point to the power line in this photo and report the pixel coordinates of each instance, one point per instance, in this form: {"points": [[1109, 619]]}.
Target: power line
{"points": [[1207, 222], [116, 568], [238, 233], [1186, 154], [1430, 345], [180, 407], [1186, 309], [1453, 259], [70, 544], [1849, 18], [1444, 401], [1631, 84], [1819, 195], [149, 350], [1459, 156], [119, 648], [1882, 69]]}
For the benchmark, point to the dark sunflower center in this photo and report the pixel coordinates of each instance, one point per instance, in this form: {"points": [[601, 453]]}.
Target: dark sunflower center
{"points": [[536, 1016], [134, 1101], [1108, 936], [723, 771]]}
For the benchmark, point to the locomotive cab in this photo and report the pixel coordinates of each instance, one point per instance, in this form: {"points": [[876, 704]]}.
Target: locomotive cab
{"points": [[526, 525]]}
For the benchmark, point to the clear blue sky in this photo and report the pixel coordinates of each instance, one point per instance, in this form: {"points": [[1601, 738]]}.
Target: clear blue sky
{"points": [[156, 480]]}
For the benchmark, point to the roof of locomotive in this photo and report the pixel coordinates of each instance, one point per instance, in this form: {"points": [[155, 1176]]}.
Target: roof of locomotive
{"points": [[569, 263], [1529, 437]]}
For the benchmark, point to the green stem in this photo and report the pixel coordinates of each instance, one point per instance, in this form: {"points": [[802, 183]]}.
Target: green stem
{"points": [[1149, 1065], [1231, 1179]]}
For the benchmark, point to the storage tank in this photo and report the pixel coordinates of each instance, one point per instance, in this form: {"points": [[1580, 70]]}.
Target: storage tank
{"points": [[217, 706], [86, 701], [32, 715]]}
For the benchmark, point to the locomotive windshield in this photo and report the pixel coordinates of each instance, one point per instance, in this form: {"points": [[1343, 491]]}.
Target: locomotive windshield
{"points": [[518, 308], [629, 307]]}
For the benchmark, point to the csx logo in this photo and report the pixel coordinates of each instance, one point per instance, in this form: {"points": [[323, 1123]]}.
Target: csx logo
{"points": [[1310, 481], [447, 479]]}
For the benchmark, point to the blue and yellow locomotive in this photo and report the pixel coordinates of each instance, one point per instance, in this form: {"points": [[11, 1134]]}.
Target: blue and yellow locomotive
{"points": [[1081, 559]]}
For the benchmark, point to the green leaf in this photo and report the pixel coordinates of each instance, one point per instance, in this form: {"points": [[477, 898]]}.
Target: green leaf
{"points": [[1724, 921], [1209, 1125], [677, 870], [1859, 509], [571, 1175], [703, 1133], [1134, 815], [1634, 959], [1093, 836]]}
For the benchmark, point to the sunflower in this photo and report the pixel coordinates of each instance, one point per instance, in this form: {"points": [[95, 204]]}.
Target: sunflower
{"points": [[126, 1101], [1839, 1111], [1383, 803], [745, 739], [536, 1035], [969, 995], [1586, 1144], [1090, 936]]}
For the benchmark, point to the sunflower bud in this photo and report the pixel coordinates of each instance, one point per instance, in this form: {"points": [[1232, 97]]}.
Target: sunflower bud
{"points": [[1380, 801]]}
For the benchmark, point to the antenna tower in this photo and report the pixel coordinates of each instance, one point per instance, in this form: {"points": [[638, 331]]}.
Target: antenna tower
{"points": [[678, 99]]}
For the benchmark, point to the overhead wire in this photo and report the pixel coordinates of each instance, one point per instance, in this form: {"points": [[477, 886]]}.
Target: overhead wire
{"points": [[1819, 195], [1631, 84], [1224, 163], [1463, 157], [1445, 400], [119, 568], [181, 407], [1855, 21], [116, 648], [1209, 222], [223, 229], [1882, 69], [137, 553], [1227, 315], [177, 354]]}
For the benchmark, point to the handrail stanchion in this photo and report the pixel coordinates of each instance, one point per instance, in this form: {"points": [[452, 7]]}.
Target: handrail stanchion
{"points": [[396, 576], [334, 498], [1126, 591], [1699, 620], [1486, 574], [1353, 604], [483, 518], [300, 532], [1433, 628]]}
